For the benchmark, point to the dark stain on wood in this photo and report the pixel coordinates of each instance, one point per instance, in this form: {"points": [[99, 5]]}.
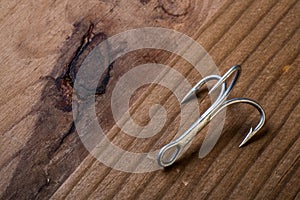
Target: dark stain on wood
{"points": [[53, 152]]}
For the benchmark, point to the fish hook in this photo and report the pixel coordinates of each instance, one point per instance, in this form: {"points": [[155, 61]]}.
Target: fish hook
{"points": [[172, 151]]}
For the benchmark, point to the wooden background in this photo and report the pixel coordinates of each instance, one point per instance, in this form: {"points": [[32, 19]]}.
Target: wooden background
{"points": [[41, 155]]}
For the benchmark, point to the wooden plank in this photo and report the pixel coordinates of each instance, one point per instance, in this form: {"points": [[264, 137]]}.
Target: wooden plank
{"points": [[41, 154]]}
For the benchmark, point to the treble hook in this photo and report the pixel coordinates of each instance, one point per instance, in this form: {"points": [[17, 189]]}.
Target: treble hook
{"points": [[181, 143]]}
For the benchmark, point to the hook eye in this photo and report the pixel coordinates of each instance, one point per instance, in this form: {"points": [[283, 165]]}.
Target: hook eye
{"points": [[169, 154]]}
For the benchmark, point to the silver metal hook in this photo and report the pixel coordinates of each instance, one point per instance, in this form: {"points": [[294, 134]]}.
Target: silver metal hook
{"points": [[172, 151]]}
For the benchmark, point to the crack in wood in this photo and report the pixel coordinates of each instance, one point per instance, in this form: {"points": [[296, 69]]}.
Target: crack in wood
{"points": [[65, 82], [64, 136]]}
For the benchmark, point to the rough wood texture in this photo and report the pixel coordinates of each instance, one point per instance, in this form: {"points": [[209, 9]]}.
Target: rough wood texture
{"points": [[41, 154]]}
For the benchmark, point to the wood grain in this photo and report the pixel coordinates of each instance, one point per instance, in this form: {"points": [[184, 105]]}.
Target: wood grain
{"points": [[41, 155]]}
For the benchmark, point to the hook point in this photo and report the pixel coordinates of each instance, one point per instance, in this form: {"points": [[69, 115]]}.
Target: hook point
{"points": [[248, 137], [187, 96]]}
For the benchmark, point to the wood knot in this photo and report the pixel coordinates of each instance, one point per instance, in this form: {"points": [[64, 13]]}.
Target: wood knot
{"points": [[144, 2], [175, 7]]}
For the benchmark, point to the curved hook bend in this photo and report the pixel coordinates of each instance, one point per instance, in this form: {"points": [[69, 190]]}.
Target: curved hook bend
{"points": [[252, 131], [237, 69]]}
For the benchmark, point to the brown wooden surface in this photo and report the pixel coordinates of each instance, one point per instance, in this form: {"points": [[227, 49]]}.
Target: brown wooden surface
{"points": [[41, 155]]}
